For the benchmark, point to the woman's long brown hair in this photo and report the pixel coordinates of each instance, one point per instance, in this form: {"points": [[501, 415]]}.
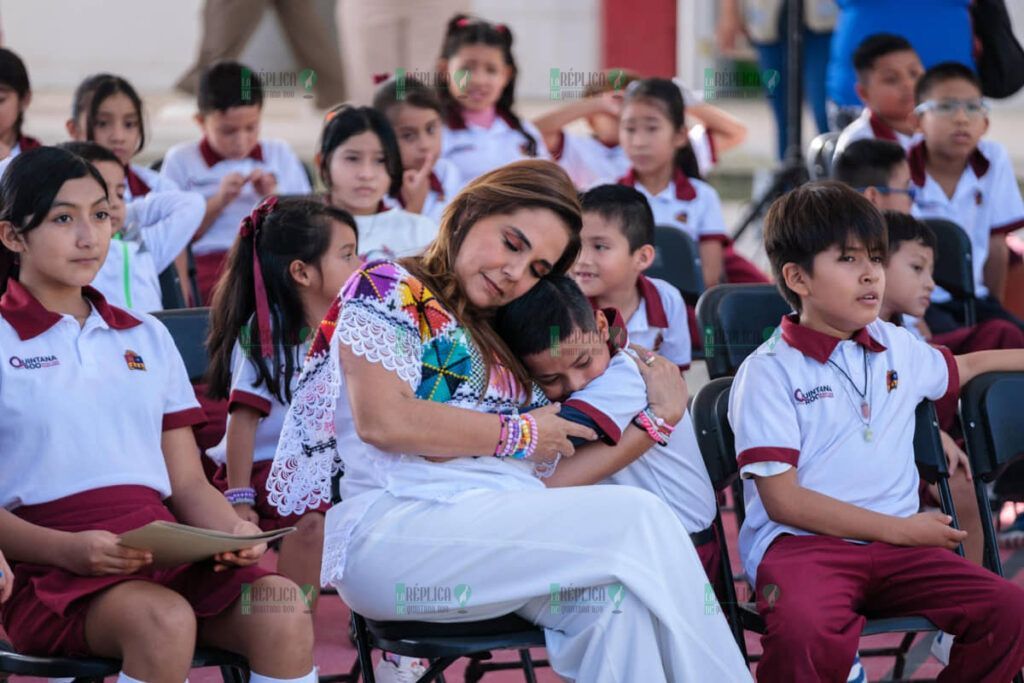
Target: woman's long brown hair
{"points": [[528, 184]]}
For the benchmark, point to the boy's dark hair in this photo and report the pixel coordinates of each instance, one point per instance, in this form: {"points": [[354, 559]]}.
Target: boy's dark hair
{"points": [[90, 151], [940, 73], [228, 84], [868, 163], [627, 206], [902, 227], [92, 92], [549, 313], [406, 90], [875, 46], [813, 218]]}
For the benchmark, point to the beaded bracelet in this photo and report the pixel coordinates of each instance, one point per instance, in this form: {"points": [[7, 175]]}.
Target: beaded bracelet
{"points": [[663, 427], [518, 438], [527, 444], [649, 422], [243, 496]]}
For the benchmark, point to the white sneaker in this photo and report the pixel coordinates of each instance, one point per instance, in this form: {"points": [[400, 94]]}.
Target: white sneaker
{"points": [[408, 671], [857, 673], [940, 647]]}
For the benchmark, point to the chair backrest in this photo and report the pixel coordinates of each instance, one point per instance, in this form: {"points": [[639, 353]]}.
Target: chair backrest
{"points": [[990, 413], [172, 296], [188, 328], [820, 154], [677, 261], [710, 411], [954, 270], [734, 320], [928, 453]]}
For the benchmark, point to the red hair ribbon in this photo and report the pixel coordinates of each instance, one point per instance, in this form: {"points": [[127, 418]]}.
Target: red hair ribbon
{"points": [[381, 77], [463, 22], [501, 28], [250, 229]]}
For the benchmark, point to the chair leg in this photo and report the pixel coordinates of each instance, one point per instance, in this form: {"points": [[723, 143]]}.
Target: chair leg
{"points": [[528, 673], [436, 670], [363, 648], [901, 656]]}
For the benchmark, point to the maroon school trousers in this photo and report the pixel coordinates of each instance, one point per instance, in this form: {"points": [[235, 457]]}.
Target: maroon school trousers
{"points": [[825, 587]]}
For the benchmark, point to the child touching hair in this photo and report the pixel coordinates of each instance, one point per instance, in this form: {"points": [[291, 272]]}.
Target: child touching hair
{"points": [[15, 96], [414, 111], [87, 473], [288, 263], [107, 110], [147, 234], [481, 130], [359, 165], [664, 168], [230, 166]]}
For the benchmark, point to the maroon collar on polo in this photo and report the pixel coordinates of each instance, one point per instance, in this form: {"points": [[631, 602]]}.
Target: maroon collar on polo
{"points": [[818, 345], [29, 319], [917, 157], [684, 188], [213, 157]]}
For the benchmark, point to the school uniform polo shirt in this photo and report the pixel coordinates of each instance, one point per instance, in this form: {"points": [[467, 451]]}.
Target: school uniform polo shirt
{"points": [[247, 389], [394, 233], [84, 407], [870, 126], [703, 145], [676, 472], [688, 204], [197, 167], [660, 322], [476, 150], [140, 181], [445, 183], [792, 407], [986, 202], [590, 162]]}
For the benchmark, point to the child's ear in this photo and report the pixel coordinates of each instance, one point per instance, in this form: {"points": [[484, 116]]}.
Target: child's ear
{"points": [[644, 256], [681, 138], [25, 101], [874, 196], [299, 271], [796, 279], [72, 128], [602, 326], [858, 88], [200, 119], [10, 238]]}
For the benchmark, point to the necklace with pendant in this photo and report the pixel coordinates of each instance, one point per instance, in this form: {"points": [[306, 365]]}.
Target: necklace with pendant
{"points": [[865, 406]]}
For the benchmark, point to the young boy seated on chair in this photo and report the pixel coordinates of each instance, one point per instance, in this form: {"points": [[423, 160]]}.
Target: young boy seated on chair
{"points": [[878, 169], [967, 180], [823, 416], [617, 247], [580, 356]]}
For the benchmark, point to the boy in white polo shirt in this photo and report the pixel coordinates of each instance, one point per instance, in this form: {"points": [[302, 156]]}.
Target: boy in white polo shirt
{"points": [[887, 70], [967, 180], [580, 356], [230, 166], [823, 415], [617, 247]]}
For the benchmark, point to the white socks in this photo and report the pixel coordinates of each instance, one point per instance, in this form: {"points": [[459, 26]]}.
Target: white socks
{"points": [[125, 678], [260, 678]]}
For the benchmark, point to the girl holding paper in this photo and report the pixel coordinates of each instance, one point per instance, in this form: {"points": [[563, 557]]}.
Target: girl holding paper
{"points": [[87, 473]]}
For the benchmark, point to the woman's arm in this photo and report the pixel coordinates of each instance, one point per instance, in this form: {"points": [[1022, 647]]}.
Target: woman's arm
{"points": [[389, 416]]}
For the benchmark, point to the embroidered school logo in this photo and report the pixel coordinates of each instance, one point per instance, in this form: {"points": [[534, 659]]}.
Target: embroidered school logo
{"points": [[134, 360], [892, 380], [681, 217], [979, 198], [812, 395], [34, 363]]}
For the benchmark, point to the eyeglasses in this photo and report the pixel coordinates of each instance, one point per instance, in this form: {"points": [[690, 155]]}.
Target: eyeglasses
{"points": [[909, 191], [948, 108]]}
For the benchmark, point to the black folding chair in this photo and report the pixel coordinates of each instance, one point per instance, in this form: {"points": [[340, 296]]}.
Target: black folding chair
{"points": [[954, 270], [735, 319], [171, 293], [709, 411], [233, 668], [444, 643], [677, 261], [820, 155], [990, 415], [188, 327]]}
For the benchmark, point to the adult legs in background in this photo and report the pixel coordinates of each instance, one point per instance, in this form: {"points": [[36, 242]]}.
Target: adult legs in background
{"points": [[227, 27], [313, 48]]}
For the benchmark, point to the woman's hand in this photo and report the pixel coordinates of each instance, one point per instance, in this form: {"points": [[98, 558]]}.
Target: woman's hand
{"points": [[100, 553], [553, 434], [241, 558], [666, 390], [6, 580]]}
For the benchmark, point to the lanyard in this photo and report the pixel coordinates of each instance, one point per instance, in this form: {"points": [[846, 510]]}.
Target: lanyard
{"points": [[127, 274]]}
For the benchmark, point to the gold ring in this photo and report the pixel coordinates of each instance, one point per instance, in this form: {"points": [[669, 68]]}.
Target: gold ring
{"points": [[649, 361]]}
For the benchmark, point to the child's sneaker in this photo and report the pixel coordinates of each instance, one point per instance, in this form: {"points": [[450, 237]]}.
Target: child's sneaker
{"points": [[940, 647], [857, 673], [407, 670]]}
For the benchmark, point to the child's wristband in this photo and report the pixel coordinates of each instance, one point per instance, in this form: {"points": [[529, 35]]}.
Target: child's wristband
{"points": [[649, 422], [243, 496]]}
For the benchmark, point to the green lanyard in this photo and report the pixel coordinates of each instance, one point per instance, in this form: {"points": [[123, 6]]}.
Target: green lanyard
{"points": [[127, 272]]}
